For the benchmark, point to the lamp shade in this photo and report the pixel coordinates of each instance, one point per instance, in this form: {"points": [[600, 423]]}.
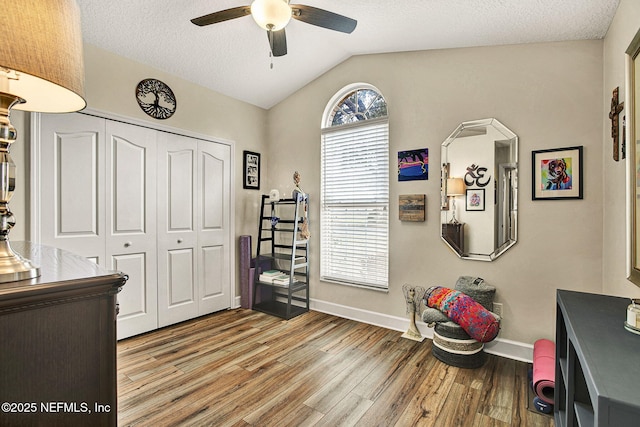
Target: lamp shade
{"points": [[271, 14], [42, 50], [455, 187]]}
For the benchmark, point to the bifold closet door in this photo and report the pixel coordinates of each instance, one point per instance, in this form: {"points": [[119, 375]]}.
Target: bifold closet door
{"points": [[131, 223], [213, 226], [72, 180], [177, 239], [150, 203], [98, 199], [193, 228]]}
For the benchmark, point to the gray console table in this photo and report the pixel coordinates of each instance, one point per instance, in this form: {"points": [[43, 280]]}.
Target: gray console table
{"points": [[597, 362]]}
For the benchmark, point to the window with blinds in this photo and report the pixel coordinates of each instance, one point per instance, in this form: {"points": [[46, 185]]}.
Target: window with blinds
{"points": [[355, 192]]}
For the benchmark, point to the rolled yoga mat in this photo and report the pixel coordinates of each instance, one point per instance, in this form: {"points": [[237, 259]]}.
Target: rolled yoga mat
{"points": [[544, 370], [245, 264]]}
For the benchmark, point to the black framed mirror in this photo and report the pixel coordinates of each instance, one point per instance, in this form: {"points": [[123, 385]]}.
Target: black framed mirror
{"points": [[479, 197]]}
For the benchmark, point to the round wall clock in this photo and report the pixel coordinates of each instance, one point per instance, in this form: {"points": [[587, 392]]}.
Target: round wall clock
{"points": [[156, 98]]}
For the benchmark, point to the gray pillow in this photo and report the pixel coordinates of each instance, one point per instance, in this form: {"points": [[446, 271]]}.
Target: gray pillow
{"points": [[478, 289]]}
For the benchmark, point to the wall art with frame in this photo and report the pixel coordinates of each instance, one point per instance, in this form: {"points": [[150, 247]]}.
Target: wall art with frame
{"points": [[557, 173], [475, 199], [251, 167]]}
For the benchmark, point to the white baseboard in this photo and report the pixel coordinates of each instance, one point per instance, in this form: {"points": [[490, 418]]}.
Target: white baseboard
{"points": [[500, 347]]}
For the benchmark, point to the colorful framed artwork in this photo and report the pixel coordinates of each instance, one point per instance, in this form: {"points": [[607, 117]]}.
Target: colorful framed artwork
{"points": [[413, 165], [251, 167], [475, 199], [557, 173]]}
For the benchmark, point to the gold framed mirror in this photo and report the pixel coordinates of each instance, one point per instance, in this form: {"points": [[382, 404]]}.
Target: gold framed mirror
{"points": [[633, 151]]}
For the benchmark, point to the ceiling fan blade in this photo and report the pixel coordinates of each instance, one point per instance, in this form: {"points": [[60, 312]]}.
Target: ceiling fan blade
{"points": [[278, 42], [323, 18], [223, 15]]}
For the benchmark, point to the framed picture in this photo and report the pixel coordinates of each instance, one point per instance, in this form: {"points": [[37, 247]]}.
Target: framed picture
{"points": [[475, 199], [557, 174], [413, 164], [411, 207], [251, 165]]}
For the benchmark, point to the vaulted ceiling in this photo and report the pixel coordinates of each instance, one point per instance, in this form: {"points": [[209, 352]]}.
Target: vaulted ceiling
{"points": [[232, 57]]}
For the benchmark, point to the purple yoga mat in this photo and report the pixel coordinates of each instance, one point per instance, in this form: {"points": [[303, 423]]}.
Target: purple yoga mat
{"points": [[245, 264]]}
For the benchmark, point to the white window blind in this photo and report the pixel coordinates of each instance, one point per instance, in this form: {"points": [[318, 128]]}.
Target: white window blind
{"points": [[355, 204]]}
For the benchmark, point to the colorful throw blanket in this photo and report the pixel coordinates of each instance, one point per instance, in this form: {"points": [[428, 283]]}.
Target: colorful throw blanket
{"points": [[476, 320]]}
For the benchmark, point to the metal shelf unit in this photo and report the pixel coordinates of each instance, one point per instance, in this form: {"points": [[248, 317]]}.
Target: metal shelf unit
{"points": [[280, 247]]}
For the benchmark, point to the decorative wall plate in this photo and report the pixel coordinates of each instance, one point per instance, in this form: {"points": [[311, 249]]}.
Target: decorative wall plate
{"points": [[156, 99]]}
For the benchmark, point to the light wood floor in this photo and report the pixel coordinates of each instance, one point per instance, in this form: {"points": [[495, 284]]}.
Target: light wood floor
{"points": [[244, 368]]}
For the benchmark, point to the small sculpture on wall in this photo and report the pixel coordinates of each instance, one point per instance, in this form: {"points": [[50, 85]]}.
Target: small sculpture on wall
{"points": [[413, 297], [614, 113]]}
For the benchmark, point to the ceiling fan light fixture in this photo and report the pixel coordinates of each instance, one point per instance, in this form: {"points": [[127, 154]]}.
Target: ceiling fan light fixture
{"points": [[271, 15]]}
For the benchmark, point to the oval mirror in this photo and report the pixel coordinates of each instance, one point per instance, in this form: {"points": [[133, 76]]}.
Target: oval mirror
{"points": [[479, 209]]}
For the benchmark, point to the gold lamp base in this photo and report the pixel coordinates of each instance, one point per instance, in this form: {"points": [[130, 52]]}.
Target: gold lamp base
{"points": [[14, 267]]}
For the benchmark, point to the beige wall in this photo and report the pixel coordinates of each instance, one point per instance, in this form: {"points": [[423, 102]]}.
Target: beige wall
{"points": [[624, 26], [549, 94], [110, 83]]}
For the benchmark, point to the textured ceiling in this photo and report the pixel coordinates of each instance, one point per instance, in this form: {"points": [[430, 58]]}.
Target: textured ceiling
{"points": [[233, 57]]}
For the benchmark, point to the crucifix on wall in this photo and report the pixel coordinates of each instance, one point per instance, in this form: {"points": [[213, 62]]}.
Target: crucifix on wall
{"points": [[616, 109]]}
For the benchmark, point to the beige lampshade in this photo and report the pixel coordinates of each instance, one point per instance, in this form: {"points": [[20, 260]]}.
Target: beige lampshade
{"points": [[455, 187], [42, 43]]}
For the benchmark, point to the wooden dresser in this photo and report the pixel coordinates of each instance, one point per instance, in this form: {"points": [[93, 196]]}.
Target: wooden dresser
{"points": [[58, 342]]}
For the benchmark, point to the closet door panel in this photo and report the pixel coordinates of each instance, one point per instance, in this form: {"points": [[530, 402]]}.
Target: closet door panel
{"points": [[136, 303], [131, 223], [180, 284], [76, 187], [177, 236], [213, 267], [214, 241], [72, 178]]}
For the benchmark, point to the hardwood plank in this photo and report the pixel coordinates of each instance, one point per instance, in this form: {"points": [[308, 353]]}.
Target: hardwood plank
{"points": [[242, 368], [346, 412]]}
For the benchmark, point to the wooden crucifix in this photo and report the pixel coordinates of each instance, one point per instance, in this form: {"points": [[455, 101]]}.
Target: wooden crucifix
{"points": [[616, 109]]}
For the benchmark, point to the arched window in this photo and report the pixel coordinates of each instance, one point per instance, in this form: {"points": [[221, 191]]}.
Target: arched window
{"points": [[354, 219]]}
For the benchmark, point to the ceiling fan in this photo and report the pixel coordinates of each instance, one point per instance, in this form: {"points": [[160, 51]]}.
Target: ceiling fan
{"points": [[274, 15]]}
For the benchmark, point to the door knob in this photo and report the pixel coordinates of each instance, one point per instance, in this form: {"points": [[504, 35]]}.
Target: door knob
{"points": [[127, 244], [179, 240]]}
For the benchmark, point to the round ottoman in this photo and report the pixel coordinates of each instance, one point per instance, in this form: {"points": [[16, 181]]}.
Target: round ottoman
{"points": [[453, 346]]}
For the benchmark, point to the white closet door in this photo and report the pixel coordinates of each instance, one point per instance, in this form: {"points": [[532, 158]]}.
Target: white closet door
{"points": [[72, 202], [152, 204], [177, 222], [131, 223], [213, 226]]}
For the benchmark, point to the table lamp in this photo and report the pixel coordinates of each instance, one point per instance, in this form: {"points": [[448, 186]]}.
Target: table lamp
{"points": [[41, 69], [455, 187]]}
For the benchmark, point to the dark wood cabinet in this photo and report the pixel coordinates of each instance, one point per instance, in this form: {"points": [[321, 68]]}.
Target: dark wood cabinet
{"points": [[454, 235], [58, 342]]}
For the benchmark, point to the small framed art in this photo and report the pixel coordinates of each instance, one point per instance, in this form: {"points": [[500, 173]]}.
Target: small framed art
{"points": [[475, 199], [251, 166], [412, 207], [557, 173]]}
